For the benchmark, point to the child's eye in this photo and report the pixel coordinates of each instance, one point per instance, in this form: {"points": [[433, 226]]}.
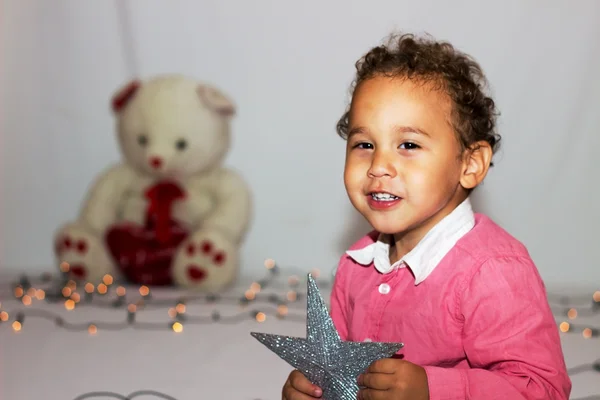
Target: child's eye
{"points": [[363, 146], [409, 146]]}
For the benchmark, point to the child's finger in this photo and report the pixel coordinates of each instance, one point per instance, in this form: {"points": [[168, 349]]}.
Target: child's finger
{"points": [[290, 393], [385, 365], [302, 384], [377, 381]]}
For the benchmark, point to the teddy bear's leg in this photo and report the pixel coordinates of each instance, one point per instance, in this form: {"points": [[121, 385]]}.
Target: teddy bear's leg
{"points": [[207, 261], [84, 252]]}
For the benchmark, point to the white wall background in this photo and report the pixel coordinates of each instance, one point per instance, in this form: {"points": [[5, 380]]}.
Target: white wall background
{"points": [[288, 66]]}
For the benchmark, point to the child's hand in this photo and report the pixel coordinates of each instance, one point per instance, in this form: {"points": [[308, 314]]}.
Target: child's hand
{"points": [[298, 387], [391, 378]]}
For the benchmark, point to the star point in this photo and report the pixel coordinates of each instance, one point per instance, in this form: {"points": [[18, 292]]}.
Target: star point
{"points": [[325, 359]]}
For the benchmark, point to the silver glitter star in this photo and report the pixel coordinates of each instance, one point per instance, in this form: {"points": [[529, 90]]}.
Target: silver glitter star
{"points": [[326, 360]]}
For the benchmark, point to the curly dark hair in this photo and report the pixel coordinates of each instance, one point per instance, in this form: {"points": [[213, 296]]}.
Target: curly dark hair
{"points": [[457, 74]]}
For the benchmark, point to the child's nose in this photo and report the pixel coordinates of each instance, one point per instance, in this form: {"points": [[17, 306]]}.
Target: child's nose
{"points": [[382, 164]]}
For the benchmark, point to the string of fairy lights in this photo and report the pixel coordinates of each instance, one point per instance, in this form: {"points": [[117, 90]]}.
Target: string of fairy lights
{"points": [[254, 303], [111, 294]]}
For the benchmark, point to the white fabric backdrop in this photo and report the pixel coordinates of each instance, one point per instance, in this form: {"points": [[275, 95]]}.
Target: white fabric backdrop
{"points": [[288, 66]]}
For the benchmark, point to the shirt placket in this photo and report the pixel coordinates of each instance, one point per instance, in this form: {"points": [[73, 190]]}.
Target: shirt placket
{"points": [[381, 294]]}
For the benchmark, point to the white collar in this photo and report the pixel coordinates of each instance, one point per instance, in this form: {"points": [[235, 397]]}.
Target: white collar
{"points": [[428, 252]]}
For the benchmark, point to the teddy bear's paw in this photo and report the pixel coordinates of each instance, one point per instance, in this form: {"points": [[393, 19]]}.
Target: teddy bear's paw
{"points": [[82, 254], [207, 261]]}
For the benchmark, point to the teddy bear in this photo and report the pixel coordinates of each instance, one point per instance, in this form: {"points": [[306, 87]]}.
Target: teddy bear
{"points": [[170, 213]]}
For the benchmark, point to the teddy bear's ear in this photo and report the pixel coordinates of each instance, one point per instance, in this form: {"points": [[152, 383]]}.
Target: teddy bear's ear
{"points": [[216, 100], [124, 95]]}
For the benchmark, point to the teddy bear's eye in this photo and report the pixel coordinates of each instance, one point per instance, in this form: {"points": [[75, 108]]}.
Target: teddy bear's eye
{"points": [[181, 144], [143, 140]]}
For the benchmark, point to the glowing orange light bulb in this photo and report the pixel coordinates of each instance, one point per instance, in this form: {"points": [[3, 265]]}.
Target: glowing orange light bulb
{"points": [[107, 279], [144, 290], [69, 304], [261, 316], [26, 300], [64, 266], [282, 309], [177, 327], [102, 289]]}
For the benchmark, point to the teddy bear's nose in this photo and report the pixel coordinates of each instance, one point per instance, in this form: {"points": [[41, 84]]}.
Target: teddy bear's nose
{"points": [[156, 162]]}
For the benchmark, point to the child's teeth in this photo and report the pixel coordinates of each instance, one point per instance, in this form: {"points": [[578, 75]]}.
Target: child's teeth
{"points": [[383, 196]]}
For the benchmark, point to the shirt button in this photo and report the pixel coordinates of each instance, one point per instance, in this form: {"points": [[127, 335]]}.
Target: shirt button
{"points": [[384, 288]]}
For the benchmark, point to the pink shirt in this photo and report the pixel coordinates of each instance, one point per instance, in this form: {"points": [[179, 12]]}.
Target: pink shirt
{"points": [[479, 322]]}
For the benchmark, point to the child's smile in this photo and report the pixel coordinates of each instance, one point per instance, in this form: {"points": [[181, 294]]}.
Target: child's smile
{"points": [[383, 200]]}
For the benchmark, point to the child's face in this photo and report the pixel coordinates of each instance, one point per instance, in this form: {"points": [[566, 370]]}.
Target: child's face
{"points": [[401, 143]]}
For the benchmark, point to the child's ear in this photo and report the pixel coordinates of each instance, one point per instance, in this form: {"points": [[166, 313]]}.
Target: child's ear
{"points": [[476, 163]]}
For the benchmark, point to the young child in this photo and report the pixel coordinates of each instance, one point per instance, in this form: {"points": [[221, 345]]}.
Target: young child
{"points": [[461, 293]]}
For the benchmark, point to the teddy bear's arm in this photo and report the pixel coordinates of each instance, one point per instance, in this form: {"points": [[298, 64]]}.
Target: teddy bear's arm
{"points": [[233, 209], [102, 202]]}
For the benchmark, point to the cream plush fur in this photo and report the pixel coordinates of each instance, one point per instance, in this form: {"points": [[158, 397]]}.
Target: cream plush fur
{"points": [[169, 128]]}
